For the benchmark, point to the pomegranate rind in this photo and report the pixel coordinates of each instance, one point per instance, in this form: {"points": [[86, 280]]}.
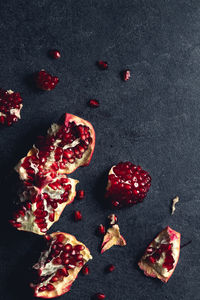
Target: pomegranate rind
{"points": [[28, 224], [155, 271], [64, 286], [112, 238]]}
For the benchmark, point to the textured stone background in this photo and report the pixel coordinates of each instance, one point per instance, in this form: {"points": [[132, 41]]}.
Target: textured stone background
{"points": [[152, 120]]}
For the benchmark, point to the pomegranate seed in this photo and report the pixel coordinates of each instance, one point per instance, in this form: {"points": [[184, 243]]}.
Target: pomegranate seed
{"points": [[54, 279], [80, 194], [47, 237], [50, 287], [67, 248], [126, 75], [79, 247], [85, 270], [77, 215], [54, 54], [103, 65], [94, 103], [57, 261], [111, 268], [60, 238], [42, 289], [101, 229], [100, 296]]}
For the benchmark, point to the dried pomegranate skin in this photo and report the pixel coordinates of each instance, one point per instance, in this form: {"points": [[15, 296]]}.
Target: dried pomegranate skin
{"points": [[10, 107], [57, 275], [128, 184], [162, 255], [47, 190]]}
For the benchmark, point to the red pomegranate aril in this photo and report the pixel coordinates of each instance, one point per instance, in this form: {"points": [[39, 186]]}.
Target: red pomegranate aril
{"points": [[79, 248], [111, 268], [50, 287], [100, 296], [85, 270], [54, 54], [47, 237], [67, 248], [94, 103], [80, 194], [103, 65], [52, 217], [42, 289], [17, 225], [126, 75], [57, 261], [63, 272], [54, 279], [101, 229], [77, 215]]}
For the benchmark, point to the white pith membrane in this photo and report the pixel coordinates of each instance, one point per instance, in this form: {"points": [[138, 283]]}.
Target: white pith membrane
{"points": [[28, 220], [49, 269], [13, 111], [166, 237], [111, 238]]}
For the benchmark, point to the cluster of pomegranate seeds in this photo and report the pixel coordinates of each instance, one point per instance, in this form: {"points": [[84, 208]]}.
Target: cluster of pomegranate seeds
{"points": [[77, 215], [128, 184], [101, 229], [126, 75], [103, 65], [94, 103], [46, 81], [80, 194], [100, 296], [85, 270], [10, 107], [54, 54], [156, 253]]}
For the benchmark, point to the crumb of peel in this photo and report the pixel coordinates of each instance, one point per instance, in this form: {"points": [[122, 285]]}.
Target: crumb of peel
{"points": [[174, 201]]}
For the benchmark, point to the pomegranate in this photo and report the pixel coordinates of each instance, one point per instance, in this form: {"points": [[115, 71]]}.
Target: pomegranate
{"points": [[111, 238], [46, 81], [43, 205], [47, 189], [59, 265], [127, 185], [161, 256], [54, 54], [10, 107], [66, 147]]}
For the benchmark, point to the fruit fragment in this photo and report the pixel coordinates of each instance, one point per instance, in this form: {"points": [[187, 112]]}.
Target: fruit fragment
{"points": [[128, 184], [126, 75], [101, 229], [112, 219], [174, 201], [161, 256], [103, 65], [85, 270], [77, 215], [10, 107], [59, 265], [111, 238], [80, 194], [46, 81], [47, 190], [94, 103], [54, 54]]}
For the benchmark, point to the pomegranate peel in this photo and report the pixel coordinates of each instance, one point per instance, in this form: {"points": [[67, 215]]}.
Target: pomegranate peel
{"points": [[58, 278], [128, 184], [161, 256], [174, 201], [111, 238]]}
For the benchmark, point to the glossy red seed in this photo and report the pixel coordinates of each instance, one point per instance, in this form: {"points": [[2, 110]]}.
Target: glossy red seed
{"points": [[60, 238], [67, 248], [94, 103], [42, 289], [85, 270], [50, 287], [57, 261], [77, 215], [103, 65], [100, 296], [101, 229], [111, 268], [80, 194], [79, 247], [126, 75], [54, 54], [54, 279]]}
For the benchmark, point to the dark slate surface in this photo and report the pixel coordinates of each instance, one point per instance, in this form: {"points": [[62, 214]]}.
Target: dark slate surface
{"points": [[152, 120]]}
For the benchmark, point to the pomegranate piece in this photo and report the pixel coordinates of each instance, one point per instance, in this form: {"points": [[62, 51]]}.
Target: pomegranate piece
{"points": [[58, 267], [85, 270], [54, 54], [112, 219], [103, 65], [47, 190], [10, 107], [94, 103], [42, 206], [128, 184], [46, 81], [161, 256], [111, 238], [101, 229], [80, 194], [77, 215], [126, 75]]}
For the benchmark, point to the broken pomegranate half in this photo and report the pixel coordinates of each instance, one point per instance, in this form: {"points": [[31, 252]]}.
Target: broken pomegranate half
{"points": [[59, 265], [43, 205], [47, 189], [127, 185], [66, 147], [111, 238], [10, 107], [161, 256]]}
